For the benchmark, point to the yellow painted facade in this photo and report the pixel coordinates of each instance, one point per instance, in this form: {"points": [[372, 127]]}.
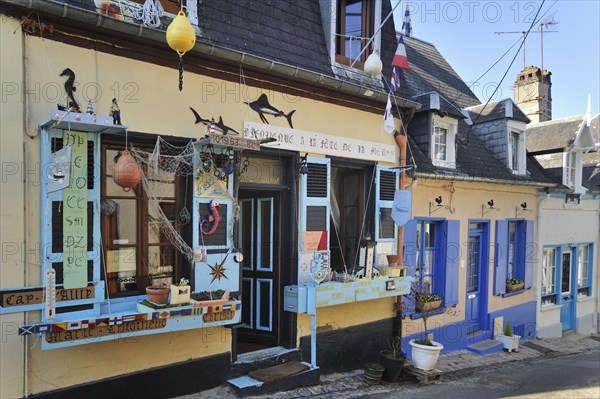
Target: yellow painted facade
{"points": [[150, 102]]}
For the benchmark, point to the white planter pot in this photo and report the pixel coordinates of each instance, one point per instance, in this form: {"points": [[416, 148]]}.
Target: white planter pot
{"points": [[425, 357], [509, 343]]}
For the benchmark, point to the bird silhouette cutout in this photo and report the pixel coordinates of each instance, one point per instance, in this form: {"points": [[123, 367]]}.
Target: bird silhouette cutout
{"points": [[438, 200], [262, 107], [524, 205], [491, 203]]}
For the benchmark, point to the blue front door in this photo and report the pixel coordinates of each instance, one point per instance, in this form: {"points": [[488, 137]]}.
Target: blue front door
{"points": [[474, 286], [567, 310]]}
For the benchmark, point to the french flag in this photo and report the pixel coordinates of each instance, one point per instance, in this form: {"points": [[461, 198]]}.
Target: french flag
{"points": [[400, 60]]}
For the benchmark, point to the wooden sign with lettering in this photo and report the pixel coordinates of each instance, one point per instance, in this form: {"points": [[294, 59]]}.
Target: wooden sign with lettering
{"points": [[55, 337], [75, 223], [32, 296], [210, 317]]}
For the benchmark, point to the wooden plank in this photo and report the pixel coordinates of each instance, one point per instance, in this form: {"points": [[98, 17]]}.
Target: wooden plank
{"points": [[30, 296], [279, 372]]}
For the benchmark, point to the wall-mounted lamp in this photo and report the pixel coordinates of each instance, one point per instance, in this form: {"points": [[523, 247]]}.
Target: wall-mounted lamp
{"points": [[436, 205], [303, 165], [488, 207], [521, 209]]}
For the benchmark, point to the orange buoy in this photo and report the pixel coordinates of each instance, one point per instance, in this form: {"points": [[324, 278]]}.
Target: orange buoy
{"points": [[127, 172]]}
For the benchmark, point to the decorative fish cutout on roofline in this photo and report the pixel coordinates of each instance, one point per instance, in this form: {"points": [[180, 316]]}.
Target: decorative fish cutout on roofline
{"points": [[262, 107], [218, 126]]}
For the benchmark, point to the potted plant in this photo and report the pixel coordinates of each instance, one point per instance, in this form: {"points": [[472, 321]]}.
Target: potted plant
{"points": [[393, 359], [158, 291], [514, 285], [509, 340], [425, 352]]}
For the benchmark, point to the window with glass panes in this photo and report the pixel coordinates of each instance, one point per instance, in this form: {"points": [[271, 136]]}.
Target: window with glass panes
{"points": [[440, 135], [583, 263], [354, 28], [425, 270], [549, 276], [137, 252]]}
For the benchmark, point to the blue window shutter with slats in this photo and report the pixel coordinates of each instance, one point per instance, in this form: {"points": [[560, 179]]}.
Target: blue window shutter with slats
{"points": [[501, 257], [315, 204], [410, 247], [409, 260], [386, 231], [530, 253], [452, 259]]}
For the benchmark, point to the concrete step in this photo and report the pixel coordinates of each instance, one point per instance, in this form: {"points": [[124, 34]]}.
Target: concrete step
{"points": [[257, 360], [276, 379], [486, 347]]}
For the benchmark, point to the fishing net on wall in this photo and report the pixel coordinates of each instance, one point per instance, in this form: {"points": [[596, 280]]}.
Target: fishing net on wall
{"points": [[161, 169]]}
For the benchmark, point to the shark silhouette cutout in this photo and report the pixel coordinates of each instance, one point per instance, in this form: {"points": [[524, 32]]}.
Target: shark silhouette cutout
{"points": [[262, 107], [219, 126]]}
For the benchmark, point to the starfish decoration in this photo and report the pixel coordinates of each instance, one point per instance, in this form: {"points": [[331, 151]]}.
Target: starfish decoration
{"points": [[218, 270]]}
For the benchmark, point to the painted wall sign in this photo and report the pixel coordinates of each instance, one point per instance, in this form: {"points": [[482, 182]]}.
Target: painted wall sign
{"points": [[207, 318], [303, 141], [75, 222], [54, 337], [12, 298]]}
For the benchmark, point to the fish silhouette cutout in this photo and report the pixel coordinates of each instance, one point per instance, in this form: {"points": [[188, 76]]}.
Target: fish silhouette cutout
{"points": [[219, 126], [262, 107]]}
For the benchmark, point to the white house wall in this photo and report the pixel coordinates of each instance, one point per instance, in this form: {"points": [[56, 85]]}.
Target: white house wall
{"points": [[561, 224]]}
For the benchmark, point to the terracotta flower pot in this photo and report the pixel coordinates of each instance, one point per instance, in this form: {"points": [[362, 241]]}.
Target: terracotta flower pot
{"points": [[393, 260], [158, 295], [127, 172]]}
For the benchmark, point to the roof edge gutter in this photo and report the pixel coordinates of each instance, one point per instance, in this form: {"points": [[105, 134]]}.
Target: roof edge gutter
{"points": [[435, 176], [93, 19]]}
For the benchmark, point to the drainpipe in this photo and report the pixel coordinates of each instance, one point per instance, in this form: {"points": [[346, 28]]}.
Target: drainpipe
{"points": [[401, 139], [26, 271]]}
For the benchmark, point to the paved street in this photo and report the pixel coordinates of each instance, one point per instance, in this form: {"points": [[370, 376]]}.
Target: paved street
{"points": [[561, 368]]}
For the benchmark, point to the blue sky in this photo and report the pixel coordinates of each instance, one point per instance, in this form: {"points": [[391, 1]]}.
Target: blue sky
{"points": [[464, 32]]}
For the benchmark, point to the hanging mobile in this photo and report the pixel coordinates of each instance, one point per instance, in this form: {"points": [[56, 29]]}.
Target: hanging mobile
{"points": [[184, 216], [181, 37]]}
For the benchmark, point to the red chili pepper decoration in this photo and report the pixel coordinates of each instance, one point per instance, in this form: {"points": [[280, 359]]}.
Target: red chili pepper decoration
{"points": [[213, 218]]}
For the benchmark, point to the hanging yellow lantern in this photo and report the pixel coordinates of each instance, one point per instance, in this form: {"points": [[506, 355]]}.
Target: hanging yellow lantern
{"points": [[181, 37]]}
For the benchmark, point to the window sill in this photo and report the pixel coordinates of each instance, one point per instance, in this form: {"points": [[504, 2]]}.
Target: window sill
{"points": [[545, 308], [509, 294], [584, 298], [416, 316]]}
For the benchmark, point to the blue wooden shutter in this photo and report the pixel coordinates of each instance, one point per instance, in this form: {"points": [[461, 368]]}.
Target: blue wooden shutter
{"points": [[501, 257], [530, 253], [409, 259], [452, 259], [314, 202], [386, 231]]}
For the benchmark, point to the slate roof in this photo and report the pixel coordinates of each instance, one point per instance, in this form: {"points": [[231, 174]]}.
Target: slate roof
{"points": [[497, 110], [553, 136], [590, 177], [429, 71], [284, 31]]}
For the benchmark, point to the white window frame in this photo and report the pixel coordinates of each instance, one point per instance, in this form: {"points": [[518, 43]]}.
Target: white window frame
{"points": [[583, 262], [549, 270], [518, 128], [572, 171], [451, 126], [331, 13]]}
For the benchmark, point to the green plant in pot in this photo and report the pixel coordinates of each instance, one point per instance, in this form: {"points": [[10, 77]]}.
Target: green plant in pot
{"points": [[393, 359]]}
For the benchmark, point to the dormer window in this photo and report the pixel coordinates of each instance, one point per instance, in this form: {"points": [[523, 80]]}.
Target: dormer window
{"points": [[572, 170], [516, 157], [442, 141], [354, 26]]}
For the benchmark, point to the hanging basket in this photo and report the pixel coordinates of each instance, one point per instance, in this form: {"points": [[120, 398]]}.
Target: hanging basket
{"points": [[127, 172]]}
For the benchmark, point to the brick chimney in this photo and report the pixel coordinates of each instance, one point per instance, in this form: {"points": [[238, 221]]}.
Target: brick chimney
{"points": [[533, 94]]}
